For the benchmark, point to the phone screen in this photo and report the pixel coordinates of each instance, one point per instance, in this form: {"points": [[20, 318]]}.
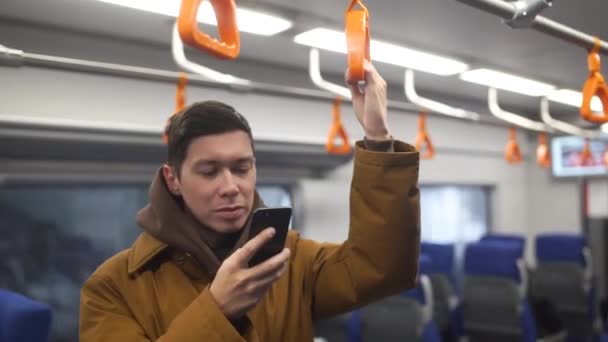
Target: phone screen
{"points": [[279, 219]]}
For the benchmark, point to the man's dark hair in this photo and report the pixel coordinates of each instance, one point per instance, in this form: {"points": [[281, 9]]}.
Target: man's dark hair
{"points": [[197, 120]]}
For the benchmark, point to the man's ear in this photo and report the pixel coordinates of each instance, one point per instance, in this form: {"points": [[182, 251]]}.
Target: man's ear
{"points": [[171, 179]]}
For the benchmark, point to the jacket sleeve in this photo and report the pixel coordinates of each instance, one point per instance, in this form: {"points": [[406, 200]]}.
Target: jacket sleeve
{"points": [[104, 316], [380, 256]]}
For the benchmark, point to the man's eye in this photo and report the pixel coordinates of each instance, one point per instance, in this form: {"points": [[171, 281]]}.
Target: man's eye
{"points": [[241, 170], [208, 173]]}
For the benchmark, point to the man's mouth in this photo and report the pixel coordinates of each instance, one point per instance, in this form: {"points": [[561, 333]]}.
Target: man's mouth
{"points": [[231, 212]]}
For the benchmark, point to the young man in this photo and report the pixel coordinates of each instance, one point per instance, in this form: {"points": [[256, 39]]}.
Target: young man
{"points": [[186, 278]]}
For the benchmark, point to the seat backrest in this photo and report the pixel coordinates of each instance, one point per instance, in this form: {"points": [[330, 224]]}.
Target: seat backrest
{"points": [[560, 283], [562, 286], [406, 317], [22, 319], [443, 296], [492, 309], [563, 278], [564, 272], [493, 304], [395, 318], [332, 329]]}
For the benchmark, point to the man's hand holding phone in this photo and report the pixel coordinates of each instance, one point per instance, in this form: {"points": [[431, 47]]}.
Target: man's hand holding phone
{"points": [[237, 288]]}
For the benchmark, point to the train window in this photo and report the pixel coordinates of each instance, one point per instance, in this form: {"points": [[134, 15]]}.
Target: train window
{"points": [[453, 213], [275, 195], [55, 236], [58, 235]]}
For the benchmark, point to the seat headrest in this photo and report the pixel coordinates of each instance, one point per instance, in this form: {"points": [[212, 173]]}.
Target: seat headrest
{"points": [[417, 294], [442, 256], [515, 239], [22, 319], [425, 264], [493, 258], [560, 248]]}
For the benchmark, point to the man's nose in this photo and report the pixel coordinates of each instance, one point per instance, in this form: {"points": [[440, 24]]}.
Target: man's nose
{"points": [[229, 186]]}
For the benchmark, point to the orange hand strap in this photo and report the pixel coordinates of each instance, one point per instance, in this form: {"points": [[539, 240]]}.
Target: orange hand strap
{"points": [[424, 139], [595, 85], [512, 152], [357, 40], [180, 101], [228, 46], [586, 156], [543, 157], [180, 92], [337, 130]]}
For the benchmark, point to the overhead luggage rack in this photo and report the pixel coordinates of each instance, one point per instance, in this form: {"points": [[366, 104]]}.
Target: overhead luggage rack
{"points": [[37, 146]]}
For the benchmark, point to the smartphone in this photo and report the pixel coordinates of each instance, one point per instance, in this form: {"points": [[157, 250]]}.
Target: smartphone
{"points": [[279, 219]]}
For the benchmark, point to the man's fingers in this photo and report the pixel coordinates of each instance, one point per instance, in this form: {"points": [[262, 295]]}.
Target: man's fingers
{"points": [[261, 285], [355, 90], [371, 74], [371, 77], [271, 265], [252, 246], [369, 67], [352, 86]]}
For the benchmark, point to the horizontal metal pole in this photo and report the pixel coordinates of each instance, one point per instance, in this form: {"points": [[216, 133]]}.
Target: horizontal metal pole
{"points": [[568, 34], [171, 76], [57, 62], [497, 7], [506, 11]]}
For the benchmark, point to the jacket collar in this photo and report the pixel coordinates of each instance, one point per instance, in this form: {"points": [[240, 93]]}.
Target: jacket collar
{"points": [[145, 248]]}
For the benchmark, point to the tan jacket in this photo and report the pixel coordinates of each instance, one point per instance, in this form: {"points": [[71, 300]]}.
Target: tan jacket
{"points": [[151, 292]]}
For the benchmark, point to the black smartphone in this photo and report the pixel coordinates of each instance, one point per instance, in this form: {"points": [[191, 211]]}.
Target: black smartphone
{"points": [[279, 219]]}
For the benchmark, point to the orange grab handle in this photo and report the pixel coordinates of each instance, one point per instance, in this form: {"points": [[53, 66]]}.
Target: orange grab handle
{"points": [[423, 138], [180, 101], [595, 85], [337, 130], [543, 157], [357, 40], [180, 92], [512, 152], [586, 156], [605, 157], [229, 45]]}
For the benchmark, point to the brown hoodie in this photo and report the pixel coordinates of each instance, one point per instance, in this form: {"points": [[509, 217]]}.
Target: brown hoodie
{"points": [[166, 218]]}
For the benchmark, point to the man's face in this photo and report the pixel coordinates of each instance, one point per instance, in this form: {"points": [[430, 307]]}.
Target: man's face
{"points": [[217, 180]]}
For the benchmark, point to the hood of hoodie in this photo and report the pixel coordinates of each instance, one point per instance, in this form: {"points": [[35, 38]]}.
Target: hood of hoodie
{"points": [[167, 219]]}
